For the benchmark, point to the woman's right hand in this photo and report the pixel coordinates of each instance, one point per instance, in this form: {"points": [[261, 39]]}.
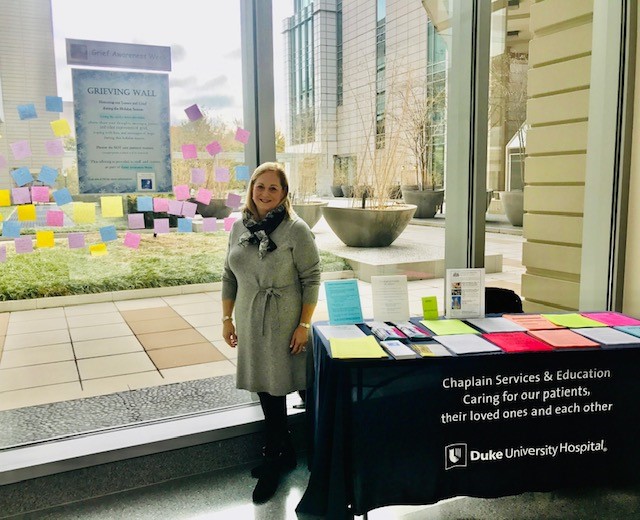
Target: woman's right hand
{"points": [[229, 334]]}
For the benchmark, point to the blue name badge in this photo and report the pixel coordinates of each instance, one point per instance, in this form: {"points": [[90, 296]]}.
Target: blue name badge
{"points": [[343, 302]]}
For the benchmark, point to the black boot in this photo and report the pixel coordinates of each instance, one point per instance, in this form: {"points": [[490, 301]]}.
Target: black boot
{"points": [[286, 458], [268, 480]]}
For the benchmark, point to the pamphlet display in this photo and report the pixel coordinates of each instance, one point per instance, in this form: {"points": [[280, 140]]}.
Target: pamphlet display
{"points": [[390, 298], [464, 293], [343, 302]]}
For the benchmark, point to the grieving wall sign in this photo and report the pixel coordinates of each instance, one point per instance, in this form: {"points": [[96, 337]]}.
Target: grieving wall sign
{"points": [[122, 130]]}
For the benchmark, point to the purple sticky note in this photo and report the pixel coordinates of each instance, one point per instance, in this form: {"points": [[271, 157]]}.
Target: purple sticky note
{"points": [[204, 196], [21, 195], [40, 194], [228, 222], [214, 147], [55, 147], [175, 207], [197, 175], [193, 113], [222, 174], [55, 218], [181, 192], [20, 150], [132, 240], [53, 103], [76, 240], [189, 209], [23, 245], [189, 151], [209, 224], [161, 225], [27, 111], [160, 205], [136, 220], [3, 254], [3, 162], [22, 176], [242, 135], [62, 196], [233, 200]]}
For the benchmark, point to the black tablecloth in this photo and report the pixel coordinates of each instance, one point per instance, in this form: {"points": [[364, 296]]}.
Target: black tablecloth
{"points": [[391, 432]]}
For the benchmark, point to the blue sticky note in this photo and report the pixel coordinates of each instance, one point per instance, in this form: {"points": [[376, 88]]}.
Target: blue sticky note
{"points": [[62, 197], [242, 173], [48, 175], [108, 234], [11, 229], [27, 111], [22, 176], [343, 302], [145, 203], [184, 225], [53, 103]]}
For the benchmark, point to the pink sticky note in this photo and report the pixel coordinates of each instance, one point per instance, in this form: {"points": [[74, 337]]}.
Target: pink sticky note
{"points": [[3, 162], [55, 218], [209, 224], [175, 207], [228, 222], [204, 196], [161, 225], [181, 192], [189, 209], [213, 147], [21, 195], [54, 148], [76, 240], [160, 205], [193, 113], [222, 174], [132, 240], [136, 220], [21, 149], [233, 200], [40, 194], [3, 254], [189, 151], [197, 175], [23, 245], [242, 135]]}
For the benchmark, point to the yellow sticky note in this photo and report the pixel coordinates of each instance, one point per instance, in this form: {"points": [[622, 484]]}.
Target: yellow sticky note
{"points": [[111, 207], [5, 198], [1, 217], [84, 212], [44, 239], [98, 249], [60, 127], [429, 307], [26, 212]]}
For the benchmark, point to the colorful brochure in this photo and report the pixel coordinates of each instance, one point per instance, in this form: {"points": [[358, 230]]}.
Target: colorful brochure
{"points": [[531, 321], [447, 327], [609, 336], [356, 348], [398, 350], [612, 319], [517, 342], [432, 349], [573, 320], [563, 338]]}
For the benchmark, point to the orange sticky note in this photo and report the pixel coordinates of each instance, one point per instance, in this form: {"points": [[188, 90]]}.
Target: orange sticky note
{"points": [[98, 249], [84, 212], [111, 207], [5, 198], [26, 212], [60, 127], [44, 239]]}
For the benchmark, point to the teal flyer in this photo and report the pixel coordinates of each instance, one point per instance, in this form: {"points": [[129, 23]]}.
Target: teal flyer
{"points": [[343, 302]]}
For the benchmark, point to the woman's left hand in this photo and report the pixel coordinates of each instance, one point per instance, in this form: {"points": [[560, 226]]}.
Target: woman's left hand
{"points": [[299, 340]]}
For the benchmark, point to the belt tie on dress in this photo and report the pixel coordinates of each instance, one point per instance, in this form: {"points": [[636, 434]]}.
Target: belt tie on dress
{"points": [[269, 293]]}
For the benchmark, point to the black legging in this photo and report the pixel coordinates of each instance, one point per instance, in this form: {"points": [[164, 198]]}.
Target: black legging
{"points": [[274, 408]]}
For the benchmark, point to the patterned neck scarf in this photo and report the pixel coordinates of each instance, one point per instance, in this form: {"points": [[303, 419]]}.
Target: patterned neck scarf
{"points": [[259, 231]]}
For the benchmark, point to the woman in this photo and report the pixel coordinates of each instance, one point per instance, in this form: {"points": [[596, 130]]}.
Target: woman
{"points": [[271, 280]]}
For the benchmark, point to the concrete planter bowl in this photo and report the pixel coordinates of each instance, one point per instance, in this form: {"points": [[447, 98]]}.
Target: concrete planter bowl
{"points": [[427, 201], [358, 227], [513, 204], [310, 212]]}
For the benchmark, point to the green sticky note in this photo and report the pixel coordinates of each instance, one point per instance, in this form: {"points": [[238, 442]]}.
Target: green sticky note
{"points": [[429, 308]]}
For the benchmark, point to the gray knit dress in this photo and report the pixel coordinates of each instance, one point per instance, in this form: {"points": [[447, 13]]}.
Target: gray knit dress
{"points": [[268, 295]]}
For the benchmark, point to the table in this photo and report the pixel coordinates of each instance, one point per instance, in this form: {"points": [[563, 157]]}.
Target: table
{"points": [[389, 432]]}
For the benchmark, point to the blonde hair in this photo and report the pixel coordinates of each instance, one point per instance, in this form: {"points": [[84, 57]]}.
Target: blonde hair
{"points": [[284, 183]]}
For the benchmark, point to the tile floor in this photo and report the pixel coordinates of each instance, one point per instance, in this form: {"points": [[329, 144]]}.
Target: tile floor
{"points": [[63, 353]]}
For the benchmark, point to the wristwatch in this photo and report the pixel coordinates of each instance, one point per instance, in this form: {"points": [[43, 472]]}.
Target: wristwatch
{"points": [[225, 318], [305, 325]]}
